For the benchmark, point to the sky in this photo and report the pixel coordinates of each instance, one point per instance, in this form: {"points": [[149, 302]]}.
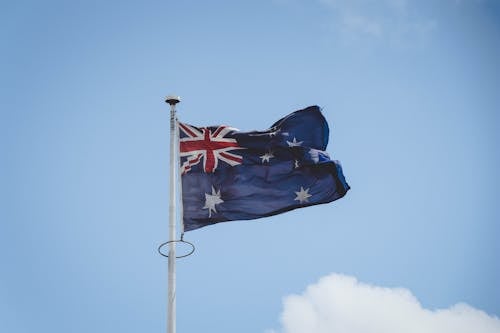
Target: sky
{"points": [[411, 91]]}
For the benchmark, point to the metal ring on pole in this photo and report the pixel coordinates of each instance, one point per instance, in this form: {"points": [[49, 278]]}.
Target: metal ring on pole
{"points": [[177, 241]]}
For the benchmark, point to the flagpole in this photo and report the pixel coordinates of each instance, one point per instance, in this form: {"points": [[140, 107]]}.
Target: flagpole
{"points": [[171, 310]]}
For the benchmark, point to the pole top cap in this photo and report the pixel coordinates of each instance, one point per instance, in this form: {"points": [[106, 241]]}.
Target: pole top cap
{"points": [[172, 100]]}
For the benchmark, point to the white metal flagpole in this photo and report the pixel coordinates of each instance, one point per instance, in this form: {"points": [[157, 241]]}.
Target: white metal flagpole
{"points": [[171, 311]]}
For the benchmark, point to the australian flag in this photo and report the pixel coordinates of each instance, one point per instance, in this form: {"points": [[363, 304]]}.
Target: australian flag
{"points": [[230, 175]]}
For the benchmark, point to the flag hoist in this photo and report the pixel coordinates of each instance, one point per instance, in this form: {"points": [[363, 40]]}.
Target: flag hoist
{"points": [[171, 327], [172, 241]]}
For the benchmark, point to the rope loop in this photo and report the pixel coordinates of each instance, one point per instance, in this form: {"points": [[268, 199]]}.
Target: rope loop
{"points": [[177, 241]]}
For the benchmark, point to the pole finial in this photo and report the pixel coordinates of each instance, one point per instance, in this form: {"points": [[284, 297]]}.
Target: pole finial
{"points": [[172, 99]]}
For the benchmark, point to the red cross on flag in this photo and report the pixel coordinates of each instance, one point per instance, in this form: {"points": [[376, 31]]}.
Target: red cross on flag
{"points": [[207, 145]]}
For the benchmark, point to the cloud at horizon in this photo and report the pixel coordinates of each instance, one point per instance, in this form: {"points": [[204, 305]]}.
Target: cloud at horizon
{"points": [[340, 304]]}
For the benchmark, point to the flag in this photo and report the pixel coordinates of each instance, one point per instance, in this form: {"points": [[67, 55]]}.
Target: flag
{"points": [[231, 175]]}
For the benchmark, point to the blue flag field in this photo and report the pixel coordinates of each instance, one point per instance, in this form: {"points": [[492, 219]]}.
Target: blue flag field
{"points": [[230, 175]]}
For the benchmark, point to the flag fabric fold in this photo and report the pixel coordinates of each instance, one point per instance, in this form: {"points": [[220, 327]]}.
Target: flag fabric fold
{"points": [[231, 175]]}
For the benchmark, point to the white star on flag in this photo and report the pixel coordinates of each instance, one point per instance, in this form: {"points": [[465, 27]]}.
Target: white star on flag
{"points": [[211, 200], [303, 195], [266, 157], [294, 143]]}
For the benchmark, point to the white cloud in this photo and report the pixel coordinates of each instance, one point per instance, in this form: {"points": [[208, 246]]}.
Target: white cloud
{"points": [[341, 304], [394, 20], [361, 24]]}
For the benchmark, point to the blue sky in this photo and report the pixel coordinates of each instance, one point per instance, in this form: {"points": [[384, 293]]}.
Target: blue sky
{"points": [[410, 90]]}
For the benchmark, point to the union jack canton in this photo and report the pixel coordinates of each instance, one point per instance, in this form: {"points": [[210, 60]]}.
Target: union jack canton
{"points": [[208, 145]]}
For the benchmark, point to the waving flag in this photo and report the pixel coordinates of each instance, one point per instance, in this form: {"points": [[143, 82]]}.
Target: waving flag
{"points": [[230, 175]]}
